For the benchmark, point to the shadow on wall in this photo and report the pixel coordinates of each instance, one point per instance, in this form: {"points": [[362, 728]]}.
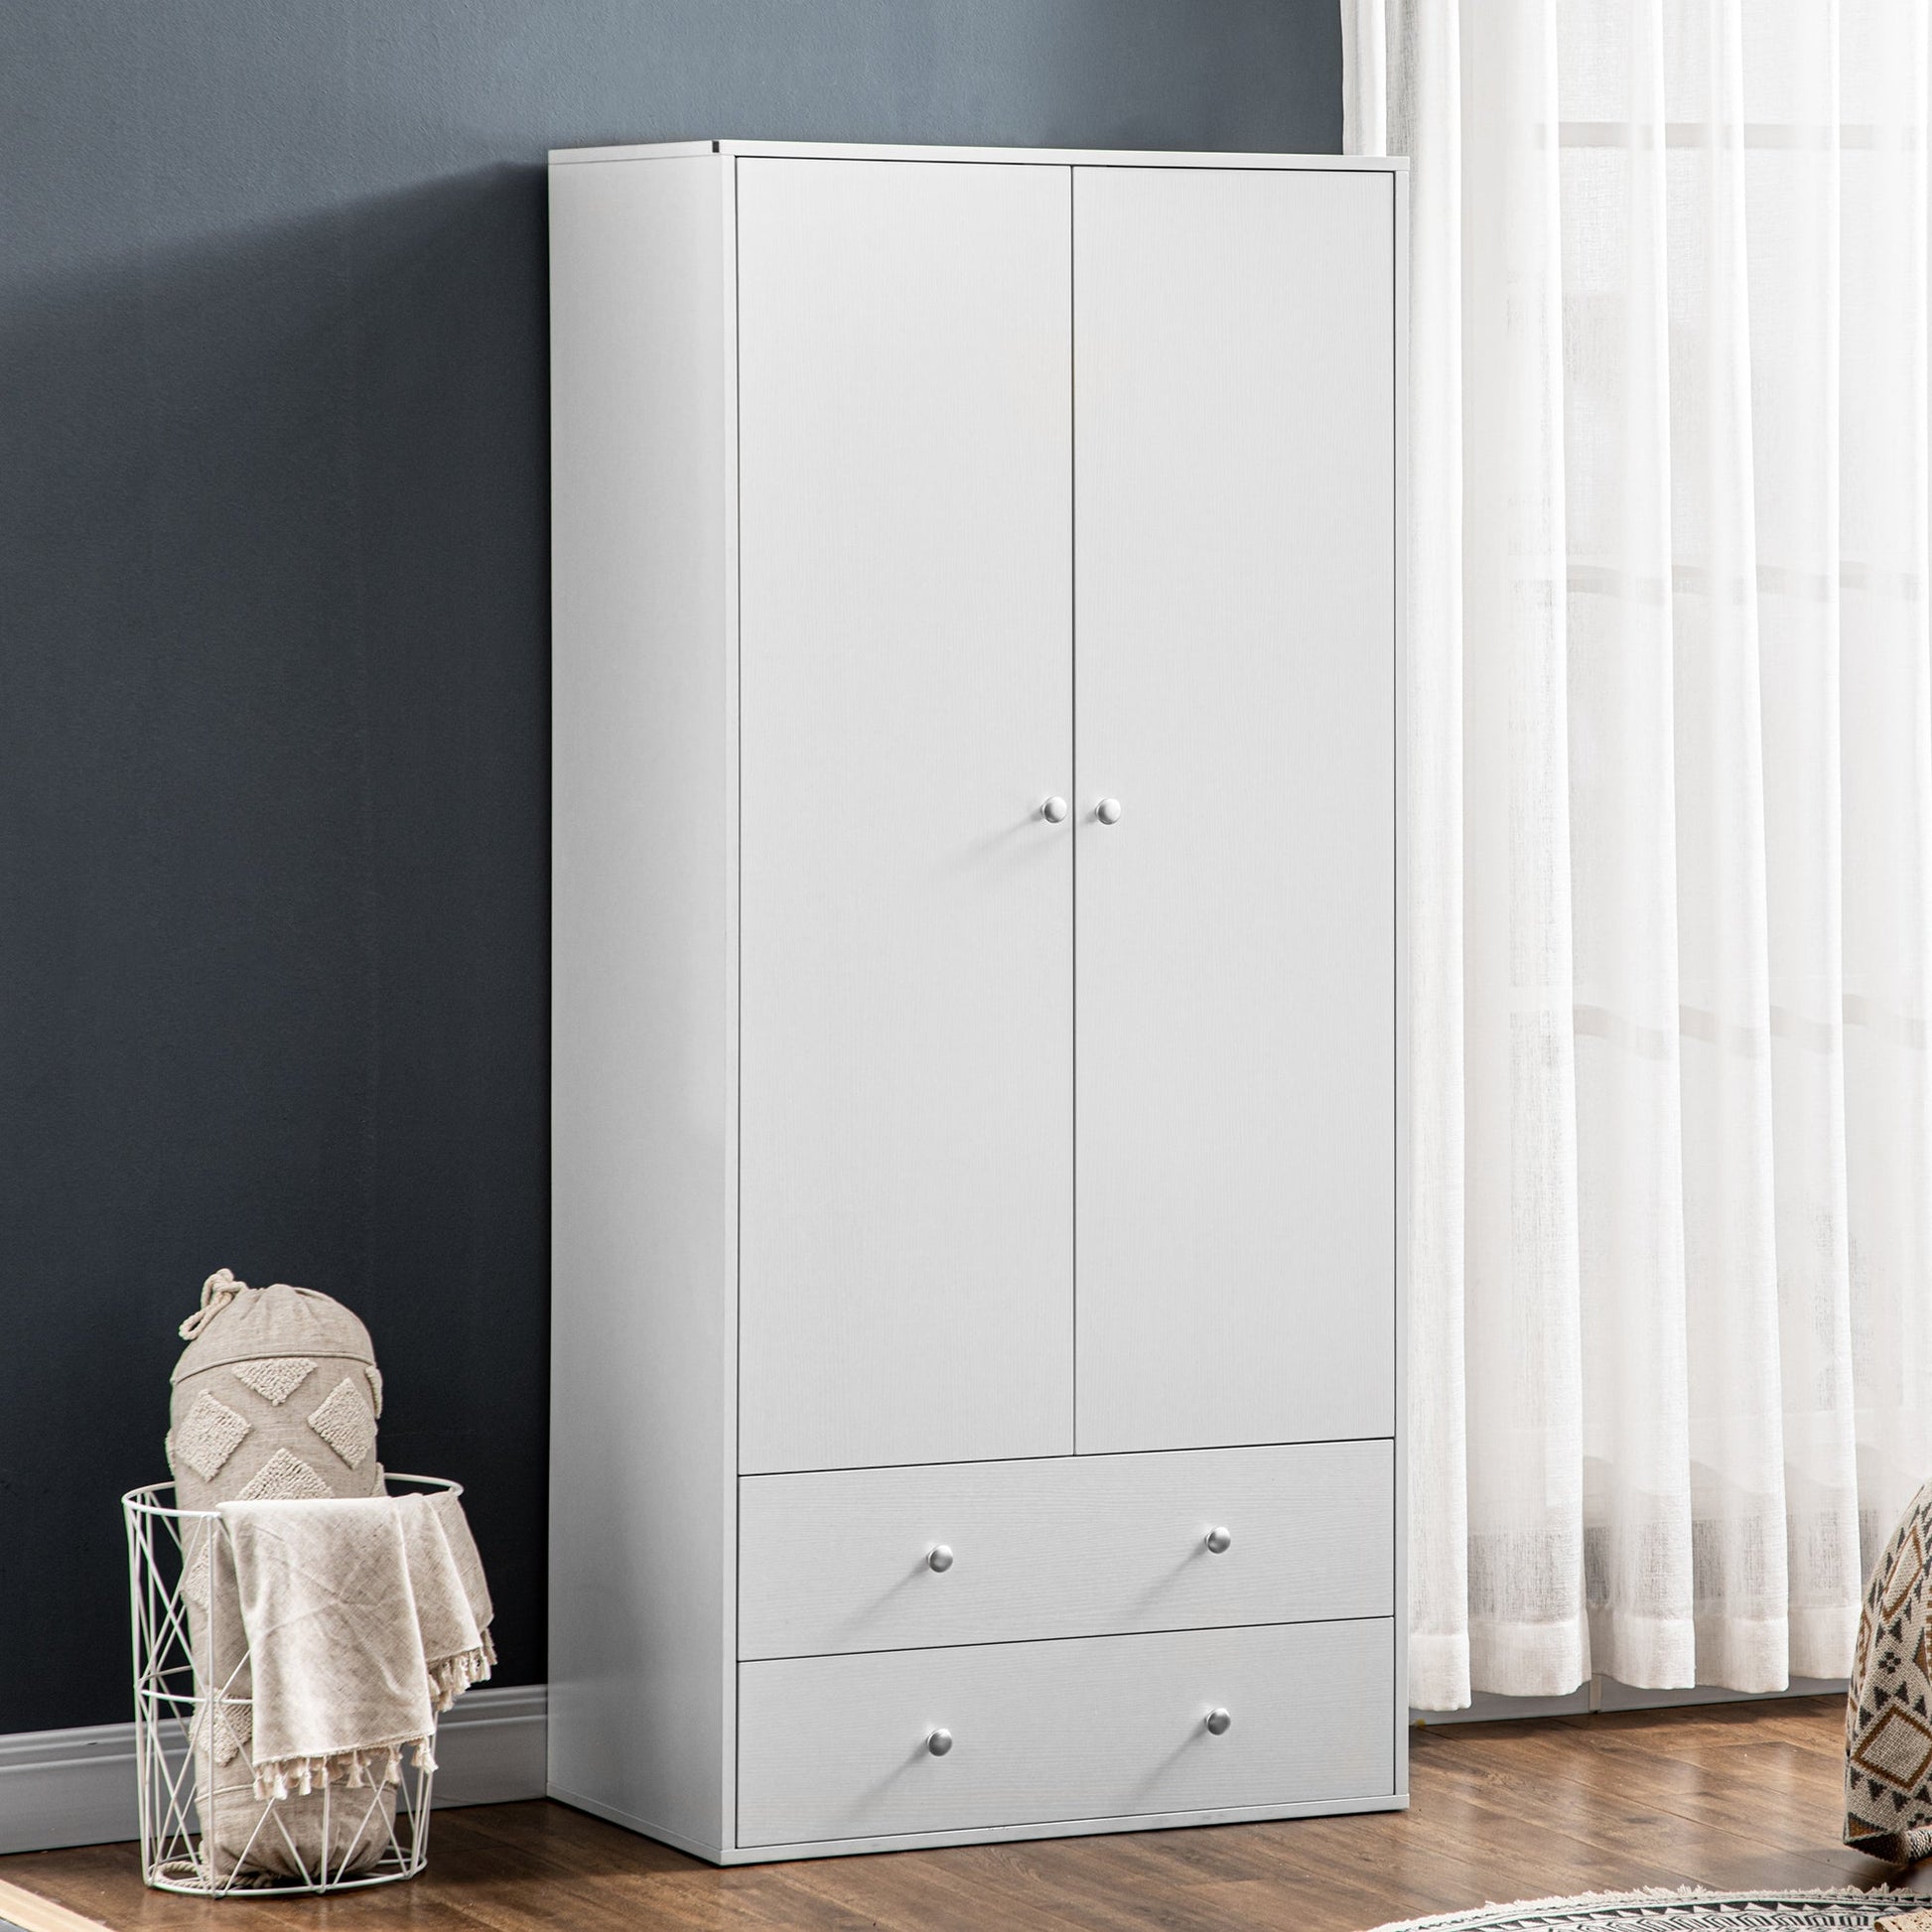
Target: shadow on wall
{"points": [[273, 858]]}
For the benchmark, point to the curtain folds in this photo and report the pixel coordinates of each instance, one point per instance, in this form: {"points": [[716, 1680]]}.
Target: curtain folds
{"points": [[1670, 773]]}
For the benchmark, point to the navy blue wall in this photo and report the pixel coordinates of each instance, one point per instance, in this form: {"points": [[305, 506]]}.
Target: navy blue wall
{"points": [[273, 660]]}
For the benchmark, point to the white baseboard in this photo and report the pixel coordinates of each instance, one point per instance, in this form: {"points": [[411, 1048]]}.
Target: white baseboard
{"points": [[1487, 1704], [1622, 1697], [76, 1787], [492, 1746], [1607, 1694]]}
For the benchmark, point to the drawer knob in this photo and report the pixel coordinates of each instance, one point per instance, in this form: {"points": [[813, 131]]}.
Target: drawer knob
{"points": [[939, 1558], [939, 1743], [1108, 811], [1219, 1539], [1218, 1723], [1053, 811]]}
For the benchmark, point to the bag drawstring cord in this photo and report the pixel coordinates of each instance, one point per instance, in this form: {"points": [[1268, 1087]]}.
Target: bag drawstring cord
{"points": [[217, 1292]]}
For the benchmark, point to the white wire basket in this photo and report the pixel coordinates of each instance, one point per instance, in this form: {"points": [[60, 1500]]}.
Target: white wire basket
{"points": [[203, 1830]]}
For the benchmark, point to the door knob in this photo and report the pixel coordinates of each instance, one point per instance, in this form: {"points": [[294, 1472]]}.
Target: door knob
{"points": [[1217, 1721], [939, 1558], [1053, 811], [1108, 811], [939, 1743], [1220, 1540]]}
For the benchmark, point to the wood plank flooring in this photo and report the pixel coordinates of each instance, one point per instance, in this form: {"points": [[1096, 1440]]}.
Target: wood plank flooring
{"points": [[1731, 1796]]}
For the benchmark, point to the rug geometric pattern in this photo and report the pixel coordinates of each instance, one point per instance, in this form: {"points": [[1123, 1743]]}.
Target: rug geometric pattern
{"points": [[1682, 1911], [1888, 1714]]}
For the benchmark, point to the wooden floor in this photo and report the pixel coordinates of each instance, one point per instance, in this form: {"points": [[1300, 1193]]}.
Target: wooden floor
{"points": [[1734, 1797]]}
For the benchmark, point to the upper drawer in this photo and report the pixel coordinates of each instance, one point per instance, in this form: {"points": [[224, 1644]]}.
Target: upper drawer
{"points": [[1073, 1546]]}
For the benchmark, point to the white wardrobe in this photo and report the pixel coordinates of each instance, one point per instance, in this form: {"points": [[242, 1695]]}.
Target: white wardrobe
{"points": [[975, 985]]}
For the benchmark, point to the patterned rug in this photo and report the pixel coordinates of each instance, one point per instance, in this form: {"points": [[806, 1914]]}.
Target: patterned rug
{"points": [[1685, 1912]]}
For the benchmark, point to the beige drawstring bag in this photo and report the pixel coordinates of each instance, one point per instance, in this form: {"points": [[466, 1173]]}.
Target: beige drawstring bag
{"points": [[275, 1397]]}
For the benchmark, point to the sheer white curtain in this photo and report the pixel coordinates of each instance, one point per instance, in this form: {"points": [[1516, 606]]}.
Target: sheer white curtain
{"points": [[1671, 772]]}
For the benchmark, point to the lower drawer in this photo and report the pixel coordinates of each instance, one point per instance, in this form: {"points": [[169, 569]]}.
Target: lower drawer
{"points": [[839, 1747]]}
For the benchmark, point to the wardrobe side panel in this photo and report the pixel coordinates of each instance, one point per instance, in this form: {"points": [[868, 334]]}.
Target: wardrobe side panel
{"points": [[1404, 1152], [644, 1246]]}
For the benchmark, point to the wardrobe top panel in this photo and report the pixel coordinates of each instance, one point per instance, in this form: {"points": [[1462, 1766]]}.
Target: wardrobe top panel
{"points": [[1051, 157]]}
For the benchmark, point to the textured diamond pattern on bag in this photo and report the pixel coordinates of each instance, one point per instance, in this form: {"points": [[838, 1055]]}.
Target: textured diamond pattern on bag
{"points": [[284, 1478], [196, 1567], [276, 1379], [209, 1435], [345, 1423], [225, 1729]]}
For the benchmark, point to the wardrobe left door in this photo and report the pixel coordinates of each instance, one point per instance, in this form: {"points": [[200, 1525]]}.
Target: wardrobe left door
{"points": [[905, 1268]]}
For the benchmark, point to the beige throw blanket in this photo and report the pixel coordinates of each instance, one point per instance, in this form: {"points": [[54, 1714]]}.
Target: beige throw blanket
{"points": [[363, 1618]]}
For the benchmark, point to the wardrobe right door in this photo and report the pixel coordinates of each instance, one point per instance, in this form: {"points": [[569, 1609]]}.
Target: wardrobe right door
{"points": [[1235, 666]]}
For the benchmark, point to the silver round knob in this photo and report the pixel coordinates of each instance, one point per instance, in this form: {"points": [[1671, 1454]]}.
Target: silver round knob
{"points": [[1217, 1721], [1220, 1540], [939, 1558], [1053, 811], [939, 1743], [1108, 811]]}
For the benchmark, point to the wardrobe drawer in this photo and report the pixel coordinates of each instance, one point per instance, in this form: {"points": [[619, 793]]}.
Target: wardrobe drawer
{"points": [[839, 1747], [1064, 1546]]}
